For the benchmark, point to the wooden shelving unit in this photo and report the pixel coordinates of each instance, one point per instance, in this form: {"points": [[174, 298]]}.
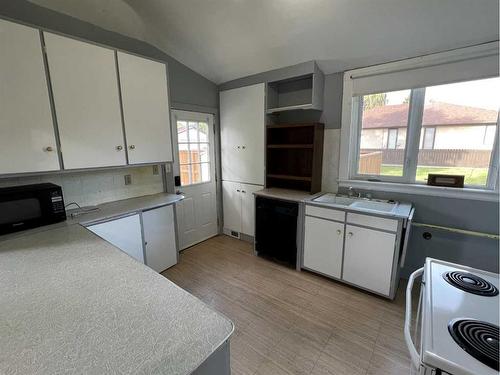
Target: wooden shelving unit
{"points": [[294, 156]]}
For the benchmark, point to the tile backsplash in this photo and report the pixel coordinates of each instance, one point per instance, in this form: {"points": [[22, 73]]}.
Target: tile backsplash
{"points": [[89, 188]]}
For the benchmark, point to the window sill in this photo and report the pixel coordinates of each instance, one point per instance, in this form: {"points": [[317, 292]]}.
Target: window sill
{"points": [[420, 189]]}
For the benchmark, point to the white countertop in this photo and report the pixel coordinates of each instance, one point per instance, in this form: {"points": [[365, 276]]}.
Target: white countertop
{"points": [[73, 303]]}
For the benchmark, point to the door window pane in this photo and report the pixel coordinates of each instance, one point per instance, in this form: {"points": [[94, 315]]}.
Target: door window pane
{"points": [[194, 152], [384, 120], [463, 117]]}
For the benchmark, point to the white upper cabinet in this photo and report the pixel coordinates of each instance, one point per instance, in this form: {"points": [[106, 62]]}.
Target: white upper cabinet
{"points": [[242, 113], [87, 104], [27, 140], [145, 103]]}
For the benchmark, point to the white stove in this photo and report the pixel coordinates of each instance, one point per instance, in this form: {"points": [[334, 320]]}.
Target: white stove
{"points": [[457, 320]]}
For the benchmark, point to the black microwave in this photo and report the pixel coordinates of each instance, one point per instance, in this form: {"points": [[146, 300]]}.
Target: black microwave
{"points": [[30, 206]]}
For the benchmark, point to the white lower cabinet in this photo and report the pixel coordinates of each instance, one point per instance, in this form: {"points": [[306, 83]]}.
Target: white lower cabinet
{"points": [[124, 233], [323, 244], [239, 207], [159, 238], [153, 243], [368, 258]]}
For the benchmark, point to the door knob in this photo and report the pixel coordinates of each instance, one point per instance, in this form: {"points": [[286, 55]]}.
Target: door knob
{"points": [[119, 148], [132, 147], [350, 234], [339, 232], [49, 149]]}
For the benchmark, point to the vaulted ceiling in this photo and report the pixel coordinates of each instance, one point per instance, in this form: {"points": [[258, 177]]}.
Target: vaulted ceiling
{"points": [[227, 39]]}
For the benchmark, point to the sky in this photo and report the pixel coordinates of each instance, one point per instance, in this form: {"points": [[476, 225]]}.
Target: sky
{"points": [[483, 93]]}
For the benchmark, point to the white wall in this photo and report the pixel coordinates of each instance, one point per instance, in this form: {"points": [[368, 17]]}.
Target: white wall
{"points": [[95, 187]]}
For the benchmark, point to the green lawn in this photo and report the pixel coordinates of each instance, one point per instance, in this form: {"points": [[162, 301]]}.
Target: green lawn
{"points": [[473, 176]]}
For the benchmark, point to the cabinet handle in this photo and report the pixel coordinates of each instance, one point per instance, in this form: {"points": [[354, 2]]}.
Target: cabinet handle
{"points": [[238, 147], [350, 234], [238, 190], [49, 149], [339, 232], [243, 147], [119, 148], [243, 191], [132, 147]]}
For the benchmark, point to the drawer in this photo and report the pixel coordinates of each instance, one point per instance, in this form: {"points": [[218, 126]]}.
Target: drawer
{"points": [[325, 213], [373, 221]]}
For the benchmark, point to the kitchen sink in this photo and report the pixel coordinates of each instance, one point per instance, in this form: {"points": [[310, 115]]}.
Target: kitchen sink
{"points": [[361, 204], [373, 205], [334, 199]]}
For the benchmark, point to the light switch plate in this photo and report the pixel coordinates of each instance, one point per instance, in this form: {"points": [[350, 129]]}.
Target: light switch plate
{"points": [[128, 179]]}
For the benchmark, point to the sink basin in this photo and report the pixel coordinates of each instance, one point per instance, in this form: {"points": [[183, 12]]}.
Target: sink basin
{"points": [[374, 206], [334, 199]]}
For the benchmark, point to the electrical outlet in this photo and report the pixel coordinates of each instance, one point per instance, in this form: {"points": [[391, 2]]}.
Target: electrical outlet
{"points": [[128, 179], [156, 170]]}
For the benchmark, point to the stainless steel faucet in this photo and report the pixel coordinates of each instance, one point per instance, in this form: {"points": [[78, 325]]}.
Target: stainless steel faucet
{"points": [[353, 193]]}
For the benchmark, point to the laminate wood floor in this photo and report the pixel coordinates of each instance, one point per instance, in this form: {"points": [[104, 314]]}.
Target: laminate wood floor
{"points": [[290, 322]]}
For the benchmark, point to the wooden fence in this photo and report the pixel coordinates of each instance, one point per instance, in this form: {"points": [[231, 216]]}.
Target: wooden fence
{"points": [[370, 162], [437, 158]]}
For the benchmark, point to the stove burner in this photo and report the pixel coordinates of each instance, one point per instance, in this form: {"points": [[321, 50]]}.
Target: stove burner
{"points": [[471, 283], [479, 339]]}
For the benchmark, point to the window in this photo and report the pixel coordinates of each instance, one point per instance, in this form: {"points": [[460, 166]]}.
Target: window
{"points": [[446, 129], [194, 155], [427, 138], [384, 121]]}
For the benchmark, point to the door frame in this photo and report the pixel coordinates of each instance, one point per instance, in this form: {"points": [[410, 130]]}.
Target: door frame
{"points": [[199, 114]]}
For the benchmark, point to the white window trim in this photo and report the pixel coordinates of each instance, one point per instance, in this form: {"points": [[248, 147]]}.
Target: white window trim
{"points": [[349, 135]]}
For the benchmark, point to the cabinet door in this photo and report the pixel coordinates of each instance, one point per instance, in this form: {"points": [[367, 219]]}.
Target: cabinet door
{"points": [[323, 244], [124, 233], [242, 134], [159, 238], [144, 91], [85, 86], [368, 258], [26, 127], [231, 202], [248, 208]]}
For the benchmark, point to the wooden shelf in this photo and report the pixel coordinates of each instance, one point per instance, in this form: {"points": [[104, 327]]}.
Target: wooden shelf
{"points": [[291, 108], [285, 146], [287, 177]]}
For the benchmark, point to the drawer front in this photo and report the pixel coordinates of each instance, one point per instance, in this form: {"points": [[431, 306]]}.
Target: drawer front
{"points": [[373, 221], [325, 213]]}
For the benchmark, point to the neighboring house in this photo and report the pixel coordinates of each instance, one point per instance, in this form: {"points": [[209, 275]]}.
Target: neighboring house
{"points": [[445, 126]]}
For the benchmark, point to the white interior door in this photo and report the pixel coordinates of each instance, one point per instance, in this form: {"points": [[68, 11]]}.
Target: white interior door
{"points": [[197, 213], [145, 103], [26, 128], [86, 97]]}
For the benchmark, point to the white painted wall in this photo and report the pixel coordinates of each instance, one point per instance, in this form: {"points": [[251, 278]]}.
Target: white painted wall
{"points": [[95, 187]]}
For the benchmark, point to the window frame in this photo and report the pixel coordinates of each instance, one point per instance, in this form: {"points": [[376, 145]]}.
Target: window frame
{"points": [[350, 142]]}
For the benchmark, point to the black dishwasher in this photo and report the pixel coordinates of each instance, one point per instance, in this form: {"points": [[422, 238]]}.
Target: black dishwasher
{"points": [[276, 230]]}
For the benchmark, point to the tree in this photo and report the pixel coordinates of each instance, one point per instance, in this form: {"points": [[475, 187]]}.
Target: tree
{"points": [[374, 100]]}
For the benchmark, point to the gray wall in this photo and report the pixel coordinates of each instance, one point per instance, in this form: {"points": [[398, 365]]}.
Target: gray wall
{"points": [[459, 213], [188, 89]]}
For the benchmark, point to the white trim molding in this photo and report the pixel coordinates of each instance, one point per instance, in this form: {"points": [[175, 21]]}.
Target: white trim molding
{"points": [[460, 65]]}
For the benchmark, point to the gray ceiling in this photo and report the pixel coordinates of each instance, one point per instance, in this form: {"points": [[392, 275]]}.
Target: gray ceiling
{"points": [[228, 39]]}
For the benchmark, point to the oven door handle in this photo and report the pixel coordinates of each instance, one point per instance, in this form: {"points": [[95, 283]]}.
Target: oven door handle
{"points": [[415, 356]]}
